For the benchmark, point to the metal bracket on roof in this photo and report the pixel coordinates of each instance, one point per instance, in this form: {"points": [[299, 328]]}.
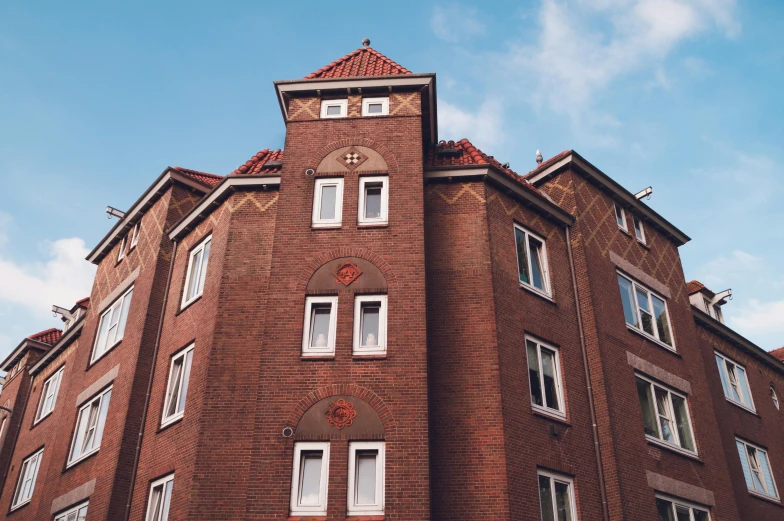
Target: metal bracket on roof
{"points": [[114, 212], [648, 192]]}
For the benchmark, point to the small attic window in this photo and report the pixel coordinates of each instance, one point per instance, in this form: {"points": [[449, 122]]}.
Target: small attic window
{"points": [[336, 108], [375, 107]]}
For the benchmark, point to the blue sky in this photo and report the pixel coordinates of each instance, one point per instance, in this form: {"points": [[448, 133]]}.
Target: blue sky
{"points": [[97, 99]]}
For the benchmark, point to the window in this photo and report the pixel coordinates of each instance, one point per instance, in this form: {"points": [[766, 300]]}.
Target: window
{"points": [[197, 271], [365, 478], [49, 395], [89, 427], [370, 325], [734, 382], [334, 108], [27, 474], [112, 325], [620, 217], [135, 234], [645, 311], [717, 314], [78, 513], [665, 415], [774, 397], [328, 203], [639, 231], [318, 337], [544, 377], [160, 498], [73, 320], [375, 106], [671, 509], [2, 427], [532, 261], [756, 469], [309, 479], [121, 253], [177, 389], [373, 200], [556, 497]]}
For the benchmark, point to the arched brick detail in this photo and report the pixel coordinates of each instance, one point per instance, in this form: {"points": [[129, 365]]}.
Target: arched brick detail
{"points": [[319, 260], [357, 391], [388, 156]]}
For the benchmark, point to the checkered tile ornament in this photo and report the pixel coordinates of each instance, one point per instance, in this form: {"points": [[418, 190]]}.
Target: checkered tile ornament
{"points": [[352, 158]]}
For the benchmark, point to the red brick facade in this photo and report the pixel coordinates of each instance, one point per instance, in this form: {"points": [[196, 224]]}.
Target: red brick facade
{"points": [[451, 396]]}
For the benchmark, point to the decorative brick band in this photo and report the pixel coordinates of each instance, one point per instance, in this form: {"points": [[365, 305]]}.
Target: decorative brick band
{"points": [[640, 275], [119, 290], [99, 384], [680, 489], [657, 372], [316, 262], [345, 390], [73, 497]]}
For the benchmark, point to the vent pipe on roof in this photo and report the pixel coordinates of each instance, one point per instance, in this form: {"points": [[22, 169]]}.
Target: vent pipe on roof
{"points": [[365, 42], [539, 157], [644, 193]]}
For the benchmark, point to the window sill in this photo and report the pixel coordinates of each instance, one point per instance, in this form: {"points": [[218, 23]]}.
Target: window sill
{"points": [[644, 245], [307, 517], [544, 413], [369, 356], [673, 448], [775, 501], [188, 304], [325, 226], [20, 505], [625, 231], [656, 341], [72, 464], [42, 418], [317, 357], [741, 406], [384, 224], [536, 292], [174, 420], [93, 362], [364, 516]]}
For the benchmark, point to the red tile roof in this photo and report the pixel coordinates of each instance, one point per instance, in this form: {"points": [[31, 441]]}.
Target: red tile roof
{"points": [[545, 164], [49, 336], [694, 286], [85, 302], [778, 353], [360, 63], [255, 164], [202, 177]]}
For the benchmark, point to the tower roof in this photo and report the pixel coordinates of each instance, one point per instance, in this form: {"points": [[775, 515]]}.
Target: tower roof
{"points": [[363, 62]]}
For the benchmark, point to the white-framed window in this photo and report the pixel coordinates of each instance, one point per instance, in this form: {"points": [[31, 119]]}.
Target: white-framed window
{"points": [[532, 261], [544, 377], [639, 229], [197, 271], [89, 427], [328, 203], [334, 108], [135, 234], [26, 484], [645, 311], [556, 497], [734, 382], [160, 498], [2, 428], [121, 253], [756, 469], [373, 200], [309, 479], [73, 320], [49, 395], [370, 324], [77, 513], [674, 509], [366, 478], [318, 332], [111, 328], [620, 217], [177, 388], [774, 397], [375, 106], [665, 415]]}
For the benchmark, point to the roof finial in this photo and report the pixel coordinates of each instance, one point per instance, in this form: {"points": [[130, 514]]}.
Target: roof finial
{"points": [[365, 42], [539, 158]]}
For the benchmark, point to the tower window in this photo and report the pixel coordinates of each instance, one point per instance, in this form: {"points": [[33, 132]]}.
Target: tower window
{"points": [[375, 107], [335, 108], [373, 200]]}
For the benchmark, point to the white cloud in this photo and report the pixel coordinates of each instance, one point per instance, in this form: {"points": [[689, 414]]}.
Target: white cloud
{"points": [[728, 269], [456, 23], [483, 127], [762, 321], [5, 220]]}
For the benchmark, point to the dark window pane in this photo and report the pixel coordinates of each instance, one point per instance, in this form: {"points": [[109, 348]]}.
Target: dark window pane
{"points": [[665, 510], [369, 330], [333, 110], [328, 197], [537, 263], [533, 374], [627, 298], [562, 502], [662, 323], [646, 404], [546, 499], [374, 108], [372, 201], [522, 256], [682, 421], [549, 376], [319, 326]]}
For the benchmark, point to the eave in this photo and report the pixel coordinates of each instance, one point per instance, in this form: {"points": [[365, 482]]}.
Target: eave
{"points": [[17, 354], [68, 337], [620, 194]]}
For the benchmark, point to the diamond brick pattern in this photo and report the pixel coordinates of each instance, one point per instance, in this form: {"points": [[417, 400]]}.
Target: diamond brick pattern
{"points": [[352, 158]]}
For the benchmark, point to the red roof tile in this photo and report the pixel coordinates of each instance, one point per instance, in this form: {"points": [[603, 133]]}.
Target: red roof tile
{"points": [[545, 164], [255, 165], [202, 177], [49, 336], [85, 302], [778, 353], [360, 63], [694, 286]]}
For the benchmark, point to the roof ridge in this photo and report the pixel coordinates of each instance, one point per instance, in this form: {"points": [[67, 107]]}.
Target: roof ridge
{"points": [[41, 334], [356, 70], [197, 172], [257, 162]]}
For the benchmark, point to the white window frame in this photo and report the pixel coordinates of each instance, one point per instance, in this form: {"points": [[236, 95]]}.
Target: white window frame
{"points": [[639, 230], [384, 217], [2, 427], [121, 253], [329, 350], [733, 381], [547, 290], [677, 502], [381, 349], [51, 388], [366, 510], [63, 516], [337, 221], [119, 333], [310, 510], [775, 398], [181, 385], [342, 103], [638, 313], [157, 513], [754, 468], [560, 412], [201, 275], [95, 430], [28, 473], [135, 234], [669, 415], [618, 210], [563, 479], [374, 101]]}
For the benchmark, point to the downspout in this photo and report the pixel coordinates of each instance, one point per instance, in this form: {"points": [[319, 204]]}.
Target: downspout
{"points": [[592, 406], [138, 451], [22, 410]]}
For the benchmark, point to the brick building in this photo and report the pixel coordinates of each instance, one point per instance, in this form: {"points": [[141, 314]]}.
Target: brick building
{"points": [[377, 324]]}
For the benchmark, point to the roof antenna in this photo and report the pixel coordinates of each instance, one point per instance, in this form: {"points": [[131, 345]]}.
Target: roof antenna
{"points": [[644, 193], [365, 42], [114, 212], [539, 157]]}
